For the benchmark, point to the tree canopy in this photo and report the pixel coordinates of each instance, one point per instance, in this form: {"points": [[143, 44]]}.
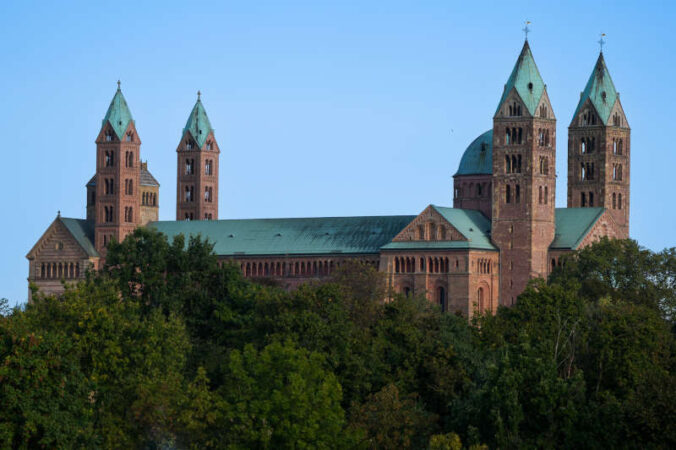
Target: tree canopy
{"points": [[165, 348]]}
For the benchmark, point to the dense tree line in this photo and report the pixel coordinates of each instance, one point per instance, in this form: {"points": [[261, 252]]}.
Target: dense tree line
{"points": [[165, 349]]}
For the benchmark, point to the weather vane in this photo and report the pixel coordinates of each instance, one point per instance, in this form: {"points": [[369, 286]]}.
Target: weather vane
{"points": [[602, 41], [526, 30]]}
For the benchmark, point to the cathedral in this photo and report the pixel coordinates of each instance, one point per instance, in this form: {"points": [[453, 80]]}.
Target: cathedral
{"points": [[502, 230]]}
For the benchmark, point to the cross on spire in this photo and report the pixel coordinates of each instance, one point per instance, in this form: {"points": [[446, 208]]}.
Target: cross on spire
{"points": [[198, 95], [602, 41], [526, 30], [118, 85]]}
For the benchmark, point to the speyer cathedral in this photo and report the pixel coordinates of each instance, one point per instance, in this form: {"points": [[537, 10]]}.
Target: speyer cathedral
{"points": [[502, 230]]}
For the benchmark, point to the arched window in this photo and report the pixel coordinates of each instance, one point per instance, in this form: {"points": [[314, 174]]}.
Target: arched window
{"points": [[517, 193], [129, 137], [520, 135], [508, 194], [546, 194], [436, 265], [619, 201], [591, 199], [583, 171], [508, 164], [614, 201], [583, 199], [507, 137], [619, 147], [540, 193], [109, 135], [396, 265], [583, 146], [441, 298], [480, 299], [42, 271], [514, 165]]}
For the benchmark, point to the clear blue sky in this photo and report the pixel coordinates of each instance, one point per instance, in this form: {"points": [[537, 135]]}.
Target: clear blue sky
{"points": [[320, 108]]}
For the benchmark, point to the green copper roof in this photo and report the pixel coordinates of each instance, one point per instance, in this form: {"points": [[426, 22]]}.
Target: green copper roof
{"points": [[198, 124], [600, 90], [118, 114], [478, 158], [470, 223], [309, 236], [83, 232], [572, 225], [526, 79]]}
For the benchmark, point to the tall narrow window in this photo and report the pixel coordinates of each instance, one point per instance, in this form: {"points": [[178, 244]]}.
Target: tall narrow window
{"points": [[591, 199], [619, 201], [583, 146], [583, 199], [546, 194], [517, 193], [614, 201], [540, 194], [508, 193], [508, 164]]}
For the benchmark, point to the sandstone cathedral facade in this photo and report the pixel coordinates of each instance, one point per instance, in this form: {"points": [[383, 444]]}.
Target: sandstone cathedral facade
{"points": [[502, 230]]}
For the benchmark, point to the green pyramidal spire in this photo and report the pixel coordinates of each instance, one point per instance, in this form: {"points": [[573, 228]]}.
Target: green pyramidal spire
{"points": [[600, 90], [526, 79], [118, 114], [198, 123]]}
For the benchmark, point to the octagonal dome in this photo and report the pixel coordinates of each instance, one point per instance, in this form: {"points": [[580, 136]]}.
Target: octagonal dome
{"points": [[478, 158]]}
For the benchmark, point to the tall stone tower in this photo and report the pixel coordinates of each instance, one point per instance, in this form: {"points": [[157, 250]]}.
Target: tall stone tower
{"points": [[197, 164], [117, 175], [524, 161], [598, 149]]}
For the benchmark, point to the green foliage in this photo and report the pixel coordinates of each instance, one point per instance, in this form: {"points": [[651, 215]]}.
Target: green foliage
{"points": [[280, 397], [392, 421], [167, 348]]}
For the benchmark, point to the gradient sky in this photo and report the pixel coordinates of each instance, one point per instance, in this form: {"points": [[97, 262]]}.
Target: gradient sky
{"points": [[320, 108]]}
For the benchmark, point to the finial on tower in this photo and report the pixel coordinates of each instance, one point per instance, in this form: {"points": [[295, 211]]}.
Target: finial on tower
{"points": [[58, 213], [198, 95], [118, 85], [526, 30], [602, 41]]}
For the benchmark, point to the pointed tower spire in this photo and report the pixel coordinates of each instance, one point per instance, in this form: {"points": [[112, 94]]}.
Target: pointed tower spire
{"points": [[599, 148], [198, 123], [115, 207], [526, 80], [600, 91], [197, 165], [523, 178], [118, 114]]}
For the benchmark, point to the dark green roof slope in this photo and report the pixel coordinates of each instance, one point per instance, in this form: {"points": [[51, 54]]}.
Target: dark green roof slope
{"points": [[83, 232], [118, 114], [198, 124], [478, 158], [600, 90], [302, 236], [470, 223], [524, 73], [572, 225]]}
